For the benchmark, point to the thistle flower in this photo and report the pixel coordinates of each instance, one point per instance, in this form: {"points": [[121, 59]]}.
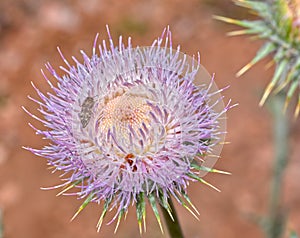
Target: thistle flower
{"points": [[130, 125], [278, 25]]}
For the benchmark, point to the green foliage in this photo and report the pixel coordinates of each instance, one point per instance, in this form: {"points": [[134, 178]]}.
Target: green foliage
{"points": [[141, 211], [276, 25]]}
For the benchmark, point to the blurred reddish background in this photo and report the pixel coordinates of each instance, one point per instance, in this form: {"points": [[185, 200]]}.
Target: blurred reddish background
{"points": [[30, 30]]}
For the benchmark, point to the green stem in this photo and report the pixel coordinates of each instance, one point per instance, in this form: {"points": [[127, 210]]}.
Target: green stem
{"points": [[281, 132], [173, 226]]}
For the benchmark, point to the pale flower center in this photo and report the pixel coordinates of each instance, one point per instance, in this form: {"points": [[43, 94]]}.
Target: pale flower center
{"points": [[123, 112]]}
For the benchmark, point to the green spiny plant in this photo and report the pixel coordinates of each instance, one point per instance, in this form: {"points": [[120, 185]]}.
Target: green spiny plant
{"points": [[277, 24]]}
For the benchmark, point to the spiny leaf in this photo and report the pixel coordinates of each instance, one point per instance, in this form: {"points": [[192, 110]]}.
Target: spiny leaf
{"points": [[242, 23], [276, 26], [240, 32], [186, 197], [287, 29], [291, 76], [246, 32], [265, 50], [278, 72], [280, 8], [259, 28], [164, 202], [206, 169], [269, 64], [141, 211], [105, 209], [191, 175], [182, 202], [290, 93], [83, 205], [281, 52], [253, 5], [69, 187], [226, 19], [119, 219], [152, 201]]}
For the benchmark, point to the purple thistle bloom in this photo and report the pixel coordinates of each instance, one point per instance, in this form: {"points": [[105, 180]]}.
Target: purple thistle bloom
{"points": [[130, 124]]}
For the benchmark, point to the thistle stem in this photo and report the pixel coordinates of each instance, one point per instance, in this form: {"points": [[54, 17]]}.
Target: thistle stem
{"points": [[173, 226], [281, 132]]}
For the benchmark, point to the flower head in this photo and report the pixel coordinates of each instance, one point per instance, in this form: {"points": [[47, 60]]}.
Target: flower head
{"points": [[278, 24], [130, 124]]}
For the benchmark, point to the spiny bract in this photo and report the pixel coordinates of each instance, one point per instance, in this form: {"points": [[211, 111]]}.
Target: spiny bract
{"points": [[278, 24]]}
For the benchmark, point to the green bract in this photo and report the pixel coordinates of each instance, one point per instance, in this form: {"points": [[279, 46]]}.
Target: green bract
{"points": [[277, 25]]}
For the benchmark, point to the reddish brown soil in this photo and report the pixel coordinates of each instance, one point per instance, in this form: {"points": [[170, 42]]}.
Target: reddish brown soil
{"points": [[29, 34]]}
